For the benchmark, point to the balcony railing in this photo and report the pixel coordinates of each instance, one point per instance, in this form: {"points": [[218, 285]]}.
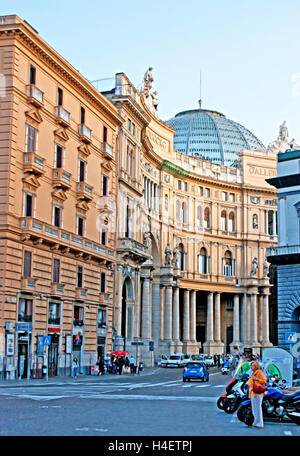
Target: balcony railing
{"points": [[54, 321], [107, 150], [28, 284], [62, 115], [35, 95], [61, 178], [85, 133], [80, 293], [77, 322], [283, 250], [33, 163], [84, 191], [66, 239], [24, 318]]}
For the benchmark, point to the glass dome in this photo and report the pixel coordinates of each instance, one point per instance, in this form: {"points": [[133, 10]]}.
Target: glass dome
{"points": [[210, 135]]}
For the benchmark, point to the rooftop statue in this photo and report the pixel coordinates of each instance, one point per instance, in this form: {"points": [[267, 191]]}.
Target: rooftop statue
{"points": [[149, 98], [283, 132]]}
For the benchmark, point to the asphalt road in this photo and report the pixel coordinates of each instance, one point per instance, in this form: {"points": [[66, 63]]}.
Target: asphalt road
{"points": [[157, 403]]}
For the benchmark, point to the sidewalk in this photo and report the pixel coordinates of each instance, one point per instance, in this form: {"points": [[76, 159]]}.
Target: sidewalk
{"points": [[80, 379]]}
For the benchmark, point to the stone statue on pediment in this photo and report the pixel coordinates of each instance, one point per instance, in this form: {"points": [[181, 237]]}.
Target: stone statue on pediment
{"points": [[254, 267], [148, 80], [175, 257], [168, 253], [266, 269], [148, 242]]}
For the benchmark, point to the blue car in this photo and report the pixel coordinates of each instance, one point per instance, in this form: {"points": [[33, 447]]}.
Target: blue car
{"points": [[195, 370]]}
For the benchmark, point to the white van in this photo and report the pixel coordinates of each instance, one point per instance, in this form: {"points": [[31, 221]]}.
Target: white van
{"points": [[174, 360]]}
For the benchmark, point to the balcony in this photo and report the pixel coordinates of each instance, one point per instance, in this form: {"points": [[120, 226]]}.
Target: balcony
{"points": [[38, 230], [77, 322], [103, 298], [57, 289], [85, 133], [80, 293], [284, 254], [107, 150], [62, 116], [28, 284], [61, 178], [24, 318], [84, 191], [54, 321], [33, 163], [131, 249], [35, 95]]}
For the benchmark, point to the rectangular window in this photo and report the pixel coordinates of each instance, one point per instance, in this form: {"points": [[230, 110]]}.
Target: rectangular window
{"points": [[104, 134], [25, 310], [232, 197], [224, 196], [102, 282], [185, 186], [82, 115], [56, 270], [81, 171], [28, 205], [179, 184], [200, 191], [103, 237], [78, 315], [31, 139], [80, 226], [32, 75], [79, 276], [54, 313], [129, 124], [57, 216], [27, 264], [207, 192], [101, 317], [58, 156], [133, 128], [59, 97], [104, 185]]}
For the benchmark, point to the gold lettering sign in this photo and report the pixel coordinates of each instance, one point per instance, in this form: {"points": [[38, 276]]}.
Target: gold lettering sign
{"points": [[263, 172], [158, 141]]}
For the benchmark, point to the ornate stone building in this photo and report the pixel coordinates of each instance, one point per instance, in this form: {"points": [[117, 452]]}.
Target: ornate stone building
{"points": [[58, 176], [191, 272]]}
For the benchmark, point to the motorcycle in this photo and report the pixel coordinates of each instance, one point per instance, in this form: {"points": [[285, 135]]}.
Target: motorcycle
{"points": [[276, 405], [225, 370], [234, 384], [239, 394]]}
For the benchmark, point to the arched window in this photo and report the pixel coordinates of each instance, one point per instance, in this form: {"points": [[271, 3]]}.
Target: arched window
{"points": [[206, 218], [255, 221], [223, 221], [227, 264], [182, 259], [166, 203], [202, 261], [231, 222]]}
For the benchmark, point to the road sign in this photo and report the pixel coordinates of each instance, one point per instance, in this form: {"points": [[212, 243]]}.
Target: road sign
{"points": [[47, 340], [23, 327], [137, 343], [290, 337]]}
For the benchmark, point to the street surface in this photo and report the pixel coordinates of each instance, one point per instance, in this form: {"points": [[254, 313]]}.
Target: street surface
{"points": [[157, 403]]}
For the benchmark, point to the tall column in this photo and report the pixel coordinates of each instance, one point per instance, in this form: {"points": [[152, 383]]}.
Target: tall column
{"points": [[266, 334], [245, 318], [193, 316], [176, 314], [168, 312], [253, 318], [210, 319], [156, 311], [236, 318], [186, 316], [217, 317], [146, 309]]}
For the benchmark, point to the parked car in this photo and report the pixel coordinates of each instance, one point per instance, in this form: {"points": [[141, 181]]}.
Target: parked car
{"points": [[197, 358], [175, 360], [163, 360], [208, 360], [195, 370], [187, 358]]}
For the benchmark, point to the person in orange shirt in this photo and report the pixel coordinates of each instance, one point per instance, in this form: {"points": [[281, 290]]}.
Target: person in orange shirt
{"points": [[257, 383]]}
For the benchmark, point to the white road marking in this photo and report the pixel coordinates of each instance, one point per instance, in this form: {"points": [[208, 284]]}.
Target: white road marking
{"points": [[288, 433], [153, 398]]}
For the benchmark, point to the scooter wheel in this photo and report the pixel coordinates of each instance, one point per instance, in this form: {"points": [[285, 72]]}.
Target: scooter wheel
{"points": [[220, 402], [244, 414], [229, 406]]}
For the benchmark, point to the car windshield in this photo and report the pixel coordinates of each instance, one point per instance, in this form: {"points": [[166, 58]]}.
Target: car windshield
{"points": [[194, 365], [208, 357], [197, 357], [174, 357]]}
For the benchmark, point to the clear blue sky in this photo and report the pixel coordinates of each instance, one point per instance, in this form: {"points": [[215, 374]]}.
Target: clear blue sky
{"points": [[248, 51]]}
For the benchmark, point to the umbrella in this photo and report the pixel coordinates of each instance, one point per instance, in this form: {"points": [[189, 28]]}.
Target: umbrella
{"points": [[119, 353]]}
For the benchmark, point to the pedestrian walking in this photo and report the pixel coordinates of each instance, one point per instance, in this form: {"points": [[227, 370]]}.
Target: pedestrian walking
{"points": [[141, 367], [219, 361], [100, 364], [257, 389], [127, 365], [132, 365], [120, 364], [75, 367]]}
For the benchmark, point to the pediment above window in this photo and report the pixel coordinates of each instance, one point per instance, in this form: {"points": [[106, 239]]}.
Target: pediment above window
{"points": [[34, 115], [84, 150], [61, 134], [31, 182]]}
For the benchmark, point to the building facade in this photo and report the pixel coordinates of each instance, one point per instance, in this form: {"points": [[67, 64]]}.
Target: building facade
{"points": [[286, 256], [191, 267], [58, 180]]}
